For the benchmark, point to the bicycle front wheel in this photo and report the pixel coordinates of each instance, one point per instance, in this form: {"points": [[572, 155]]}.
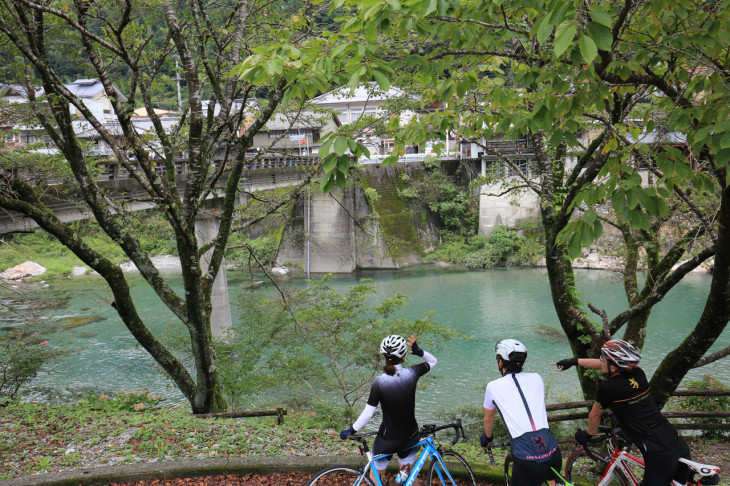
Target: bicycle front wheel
{"points": [[457, 467], [580, 468], [338, 476]]}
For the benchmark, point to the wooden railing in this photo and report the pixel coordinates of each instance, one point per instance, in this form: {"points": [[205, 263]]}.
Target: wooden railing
{"points": [[669, 415], [278, 413]]}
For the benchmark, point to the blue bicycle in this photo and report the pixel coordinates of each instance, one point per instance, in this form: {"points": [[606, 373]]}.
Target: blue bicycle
{"points": [[446, 467]]}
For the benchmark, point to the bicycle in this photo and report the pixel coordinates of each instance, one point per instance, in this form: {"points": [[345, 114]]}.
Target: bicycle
{"points": [[458, 473], [508, 460], [621, 467]]}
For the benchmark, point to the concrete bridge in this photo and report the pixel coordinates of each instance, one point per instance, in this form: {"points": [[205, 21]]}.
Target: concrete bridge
{"points": [[263, 173]]}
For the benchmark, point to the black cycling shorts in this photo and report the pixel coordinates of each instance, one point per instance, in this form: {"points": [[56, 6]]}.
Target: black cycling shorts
{"points": [[531, 473], [403, 448], [663, 465]]}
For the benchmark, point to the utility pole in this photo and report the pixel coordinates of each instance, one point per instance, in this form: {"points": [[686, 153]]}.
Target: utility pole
{"points": [[177, 80]]}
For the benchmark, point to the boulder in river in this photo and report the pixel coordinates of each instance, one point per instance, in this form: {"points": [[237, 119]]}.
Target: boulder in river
{"points": [[24, 270]]}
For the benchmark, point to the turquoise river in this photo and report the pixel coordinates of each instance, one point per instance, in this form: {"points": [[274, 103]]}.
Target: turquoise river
{"points": [[487, 305]]}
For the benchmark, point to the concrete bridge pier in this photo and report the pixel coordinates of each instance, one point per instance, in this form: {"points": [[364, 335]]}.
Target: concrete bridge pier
{"points": [[206, 229], [329, 229]]}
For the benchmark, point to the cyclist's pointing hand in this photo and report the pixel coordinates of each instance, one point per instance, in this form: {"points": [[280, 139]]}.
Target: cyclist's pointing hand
{"points": [[564, 364]]}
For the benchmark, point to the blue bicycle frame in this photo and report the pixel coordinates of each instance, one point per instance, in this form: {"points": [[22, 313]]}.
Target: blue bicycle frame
{"points": [[429, 450]]}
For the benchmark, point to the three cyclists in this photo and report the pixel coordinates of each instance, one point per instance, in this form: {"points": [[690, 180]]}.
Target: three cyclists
{"points": [[520, 399], [626, 392]]}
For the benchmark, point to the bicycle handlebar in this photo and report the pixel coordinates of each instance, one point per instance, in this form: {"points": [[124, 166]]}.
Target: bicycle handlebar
{"points": [[431, 429], [426, 430], [488, 449]]}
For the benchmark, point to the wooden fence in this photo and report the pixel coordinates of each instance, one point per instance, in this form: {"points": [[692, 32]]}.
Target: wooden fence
{"points": [[669, 415], [278, 413]]}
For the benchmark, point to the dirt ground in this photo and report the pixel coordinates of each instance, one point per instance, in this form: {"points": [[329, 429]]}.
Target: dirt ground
{"points": [[709, 452], [278, 479]]}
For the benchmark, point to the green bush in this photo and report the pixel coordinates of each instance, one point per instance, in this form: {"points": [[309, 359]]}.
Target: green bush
{"points": [[487, 257], [705, 404], [505, 241], [265, 249], [451, 252], [21, 359]]}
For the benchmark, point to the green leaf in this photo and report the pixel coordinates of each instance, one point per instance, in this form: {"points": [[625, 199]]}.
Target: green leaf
{"points": [[589, 217], [544, 31], [340, 145], [432, 5], [597, 229], [354, 81], [723, 157], [574, 245], [564, 35], [382, 80], [632, 197], [324, 148], [618, 201], [588, 48], [602, 18], [329, 163], [601, 35], [341, 179], [343, 163], [327, 183], [586, 235]]}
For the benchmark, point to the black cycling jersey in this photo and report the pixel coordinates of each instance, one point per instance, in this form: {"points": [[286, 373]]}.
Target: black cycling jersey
{"points": [[628, 396], [397, 396]]}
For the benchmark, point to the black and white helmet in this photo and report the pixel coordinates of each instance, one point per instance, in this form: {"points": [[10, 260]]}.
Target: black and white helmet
{"points": [[622, 354], [511, 350], [393, 346]]}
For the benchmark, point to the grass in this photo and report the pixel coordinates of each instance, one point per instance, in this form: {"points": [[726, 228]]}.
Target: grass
{"points": [[37, 437]]}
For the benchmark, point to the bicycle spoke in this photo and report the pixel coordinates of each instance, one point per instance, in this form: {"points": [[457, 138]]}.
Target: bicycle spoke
{"points": [[338, 476], [582, 469], [457, 466]]}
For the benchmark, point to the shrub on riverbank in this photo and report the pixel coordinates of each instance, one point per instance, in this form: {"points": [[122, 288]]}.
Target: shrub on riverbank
{"points": [[514, 247]]}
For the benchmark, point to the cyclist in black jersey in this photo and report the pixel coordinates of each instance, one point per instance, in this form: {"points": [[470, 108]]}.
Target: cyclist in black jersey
{"points": [[395, 391], [626, 392]]}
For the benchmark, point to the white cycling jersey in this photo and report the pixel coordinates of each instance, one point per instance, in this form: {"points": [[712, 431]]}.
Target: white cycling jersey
{"points": [[503, 394]]}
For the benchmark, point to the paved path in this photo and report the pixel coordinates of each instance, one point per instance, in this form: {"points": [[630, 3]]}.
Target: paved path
{"points": [[182, 468]]}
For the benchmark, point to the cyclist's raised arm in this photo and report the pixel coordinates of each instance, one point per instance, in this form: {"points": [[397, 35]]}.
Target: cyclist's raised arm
{"points": [[415, 349]]}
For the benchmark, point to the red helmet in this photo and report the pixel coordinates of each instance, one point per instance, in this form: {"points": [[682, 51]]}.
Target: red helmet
{"points": [[622, 354]]}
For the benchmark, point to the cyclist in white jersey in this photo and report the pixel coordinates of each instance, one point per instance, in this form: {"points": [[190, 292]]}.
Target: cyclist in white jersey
{"points": [[520, 399], [395, 391]]}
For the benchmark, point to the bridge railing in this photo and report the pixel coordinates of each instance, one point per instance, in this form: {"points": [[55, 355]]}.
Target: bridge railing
{"points": [[112, 170]]}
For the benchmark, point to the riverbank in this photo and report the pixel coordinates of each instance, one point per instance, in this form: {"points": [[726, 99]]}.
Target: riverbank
{"points": [[40, 438]]}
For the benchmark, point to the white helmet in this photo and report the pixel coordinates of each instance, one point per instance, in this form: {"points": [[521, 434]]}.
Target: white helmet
{"points": [[622, 354], [511, 350], [393, 346]]}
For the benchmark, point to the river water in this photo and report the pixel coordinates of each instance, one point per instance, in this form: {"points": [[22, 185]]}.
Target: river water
{"points": [[487, 305]]}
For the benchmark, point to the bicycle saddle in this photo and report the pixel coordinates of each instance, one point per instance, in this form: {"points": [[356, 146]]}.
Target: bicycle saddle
{"points": [[703, 470]]}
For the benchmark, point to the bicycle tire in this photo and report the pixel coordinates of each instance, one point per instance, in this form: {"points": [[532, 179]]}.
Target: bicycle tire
{"points": [[338, 476], [458, 468], [508, 470], [582, 466]]}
